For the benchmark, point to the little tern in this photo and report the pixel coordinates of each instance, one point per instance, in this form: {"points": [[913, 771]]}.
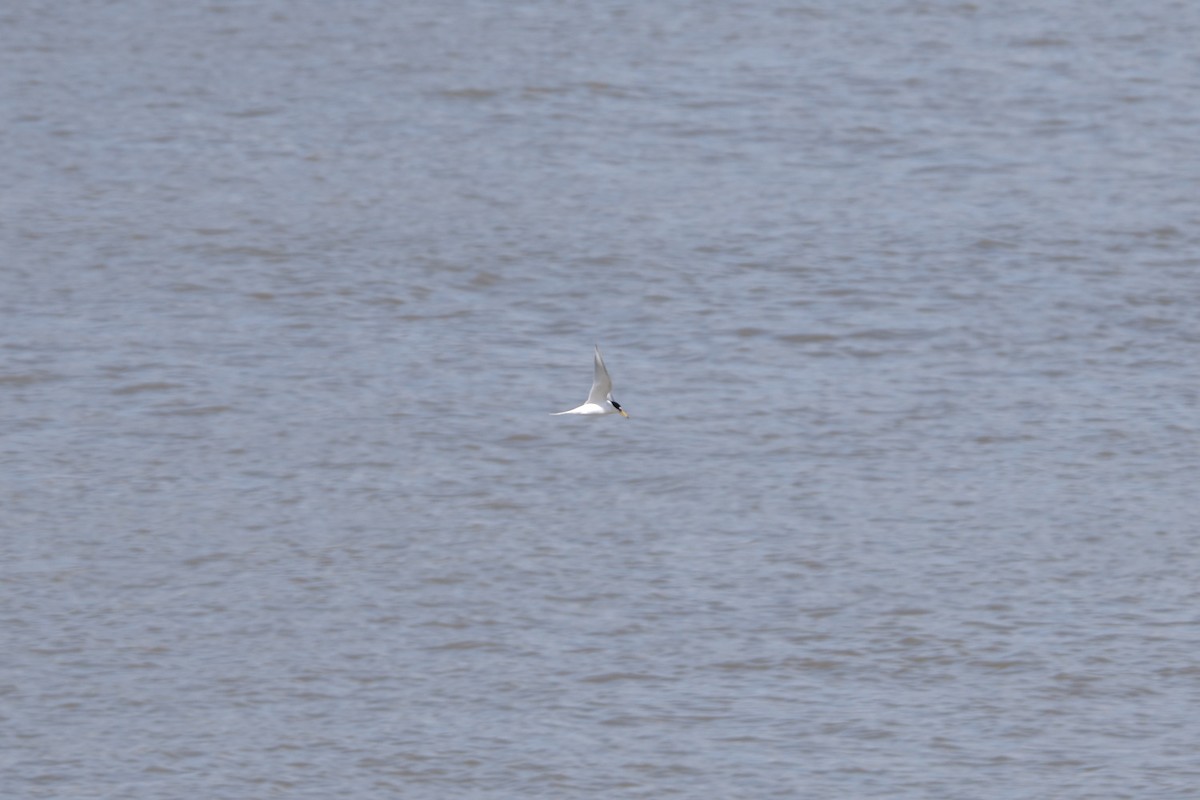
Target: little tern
{"points": [[600, 401]]}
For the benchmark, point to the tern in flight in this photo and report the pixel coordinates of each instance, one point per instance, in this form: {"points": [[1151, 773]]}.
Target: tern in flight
{"points": [[600, 401]]}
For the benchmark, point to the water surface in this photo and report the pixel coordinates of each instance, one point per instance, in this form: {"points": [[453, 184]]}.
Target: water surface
{"points": [[901, 299]]}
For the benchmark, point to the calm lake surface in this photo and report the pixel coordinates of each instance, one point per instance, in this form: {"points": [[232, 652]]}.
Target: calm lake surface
{"points": [[903, 299]]}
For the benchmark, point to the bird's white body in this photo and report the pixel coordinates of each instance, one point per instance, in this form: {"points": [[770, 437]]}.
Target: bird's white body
{"points": [[599, 401], [587, 410]]}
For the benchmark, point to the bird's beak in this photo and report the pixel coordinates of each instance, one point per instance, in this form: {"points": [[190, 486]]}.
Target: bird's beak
{"points": [[621, 411]]}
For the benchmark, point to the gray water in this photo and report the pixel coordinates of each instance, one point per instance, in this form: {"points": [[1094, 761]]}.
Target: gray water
{"points": [[903, 299]]}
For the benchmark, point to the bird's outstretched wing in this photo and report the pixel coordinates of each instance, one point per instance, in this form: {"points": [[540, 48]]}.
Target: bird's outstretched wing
{"points": [[601, 383]]}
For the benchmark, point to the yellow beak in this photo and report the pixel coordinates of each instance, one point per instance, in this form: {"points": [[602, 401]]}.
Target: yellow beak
{"points": [[621, 411]]}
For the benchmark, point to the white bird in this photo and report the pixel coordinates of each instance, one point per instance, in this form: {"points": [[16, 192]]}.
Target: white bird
{"points": [[599, 400]]}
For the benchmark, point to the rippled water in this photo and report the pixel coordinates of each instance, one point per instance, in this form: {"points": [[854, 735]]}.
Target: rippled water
{"points": [[903, 299]]}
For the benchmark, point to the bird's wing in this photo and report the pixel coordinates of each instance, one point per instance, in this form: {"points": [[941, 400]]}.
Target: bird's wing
{"points": [[601, 383]]}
